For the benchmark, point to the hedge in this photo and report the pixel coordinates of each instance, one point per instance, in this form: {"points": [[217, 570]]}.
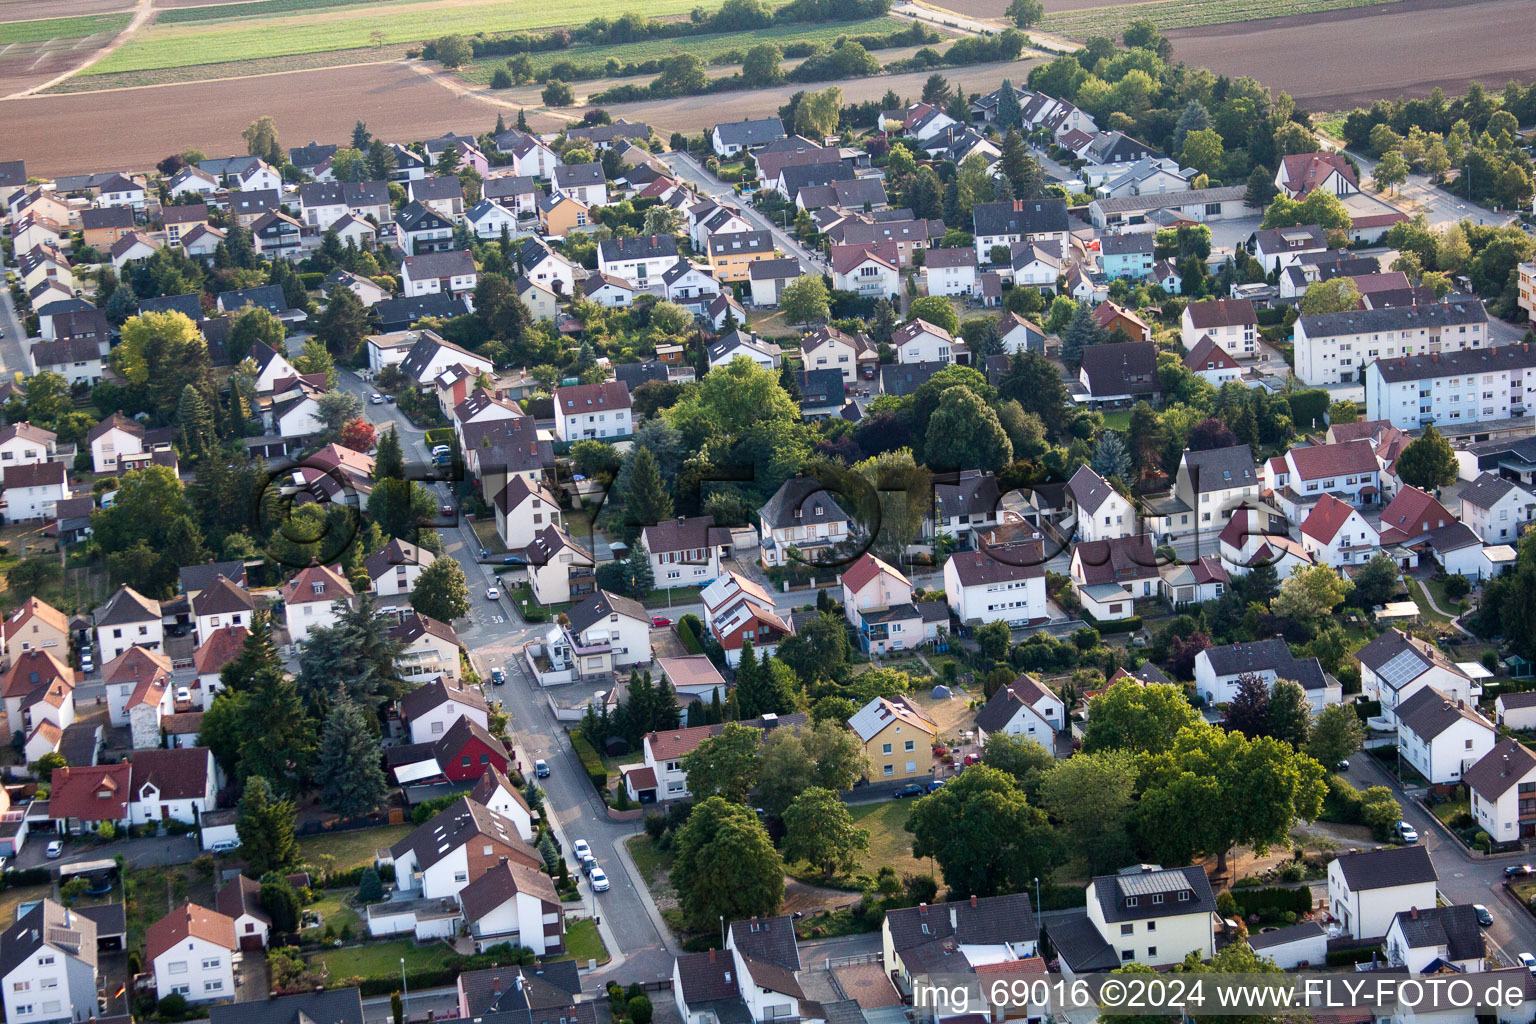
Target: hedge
{"points": [[687, 632], [1340, 957], [311, 280], [440, 435], [1274, 899], [352, 877], [590, 761], [1129, 625], [31, 876]]}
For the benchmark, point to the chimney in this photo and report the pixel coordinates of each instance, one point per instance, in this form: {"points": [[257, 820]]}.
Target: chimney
{"points": [[1413, 912], [496, 985], [711, 954], [973, 900], [922, 910]]}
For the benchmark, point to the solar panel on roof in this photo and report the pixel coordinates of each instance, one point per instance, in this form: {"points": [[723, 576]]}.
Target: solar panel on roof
{"points": [[1403, 668], [1152, 882]]}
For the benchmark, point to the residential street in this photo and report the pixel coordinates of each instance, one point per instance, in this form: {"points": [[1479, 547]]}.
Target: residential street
{"points": [[12, 357], [1464, 877], [688, 168]]}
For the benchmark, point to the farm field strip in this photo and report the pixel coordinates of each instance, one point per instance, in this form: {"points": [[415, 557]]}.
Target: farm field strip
{"points": [[349, 28], [249, 9], [62, 28], [706, 46], [1174, 14]]}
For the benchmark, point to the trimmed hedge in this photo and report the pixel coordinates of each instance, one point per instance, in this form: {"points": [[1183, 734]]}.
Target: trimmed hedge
{"points": [[590, 761], [31, 876], [688, 632], [1273, 900], [1341, 957], [1129, 625]]}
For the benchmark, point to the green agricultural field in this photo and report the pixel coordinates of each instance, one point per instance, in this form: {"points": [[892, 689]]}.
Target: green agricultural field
{"points": [[62, 28], [253, 9], [707, 47], [349, 28], [1171, 14]]}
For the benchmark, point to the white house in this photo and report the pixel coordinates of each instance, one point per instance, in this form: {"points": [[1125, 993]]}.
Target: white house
{"points": [[128, 619], [584, 183], [221, 603], [523, 510], [1020, 220], [1219, 670], [1212, 363], [1215, 482], [871, 270], [640, 260], [1109, 576], [1516, 710], [738, 611], [530, 156], [608, 633], [828, 348], [317, 596], [877, 601], [988, 586], [803, 516], [1503, 791], [1367, 890], [923, 342], [1301, 944], [770, 277], [50, 956], [192, 950], [512, 902], [430, 356], [1497, 510], [1025, 709], [430, 710], [394, 568], [174, 784], [1278, 248], [733, 137], [34, 491], [1442, 936], [490, 220], [741, 343], [22, 444], [139, 694], [1441, 737], [950, 271], [432, 273], [686, 552], [690, 284], [239, 899], [1336, 534], [996, 933], [593, 411], [1099, 511], [559, 569], [495, 792], [1154, 916], [1395, 666], [1348, 471], [1231, 323]]}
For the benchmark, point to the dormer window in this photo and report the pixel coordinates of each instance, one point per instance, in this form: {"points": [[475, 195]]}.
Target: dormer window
{"points": [[318, 588], [1157, 898], [1184, 896], [1130, 901]]}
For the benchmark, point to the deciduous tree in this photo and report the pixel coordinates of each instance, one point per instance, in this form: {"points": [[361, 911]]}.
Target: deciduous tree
{"points": [[1144, 719], [726, 865], [441, 591], [725, 764], [983, 833], [819, 830], [804, 300], [1336, 735], [1092, 797]]}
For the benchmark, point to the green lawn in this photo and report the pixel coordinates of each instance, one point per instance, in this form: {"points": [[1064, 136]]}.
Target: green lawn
{"points": [[650, 859], [256, 38], [382, 959], [1437, 588], [889, 841], [706, 46], [256, 8], [62, 28], [1426, 613], [1120, 419], [335, 913], [583, 943], [350, 849], [1448, 810]]}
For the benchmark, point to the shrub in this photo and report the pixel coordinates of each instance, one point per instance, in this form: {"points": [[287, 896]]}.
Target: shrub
{"points": [[500, 79], [172, 1006], [590, 761], [655, 825]]}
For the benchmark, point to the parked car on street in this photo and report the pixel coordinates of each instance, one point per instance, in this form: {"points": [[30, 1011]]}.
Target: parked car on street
{"points": [[493, 593], [659, 621], [224, 846], [599, 880], [1483, 917], [541, 769], [497, 678], [582, 849], [910, 789], [55, 849], [1407, 833]]}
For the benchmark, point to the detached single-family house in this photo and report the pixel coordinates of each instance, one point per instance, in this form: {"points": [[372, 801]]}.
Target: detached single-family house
{"points": [[1441, 737], [975, 935], [239, 899], [593, 411], [1212, 363], [870, 270], [1336, 534], [429, 648], [1109, 576], [950, 271], [1396, 665], [802, 516], [128, 619], [430, 710], [1154, 916], [1427, 939], [452, 272], [686, 552], [1220, 670], [923, 342], [733, 137], [1367, 890], [897, 736], [1502, 785], [1231, 323], [738, 611], [1026, 709], [192, 950], [34, 491], [175, 784], [1498, 510], [1099, 511], [317, 596], [49, 959], [999, 585]]}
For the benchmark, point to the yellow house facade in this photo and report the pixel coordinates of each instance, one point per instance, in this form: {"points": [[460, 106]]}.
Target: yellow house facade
{"points": [[732, 253], [560, 215], [898, 739]]}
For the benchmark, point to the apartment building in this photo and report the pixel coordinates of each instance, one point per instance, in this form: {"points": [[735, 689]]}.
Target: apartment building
{"points": [[1452, 390], [1332, 348]]}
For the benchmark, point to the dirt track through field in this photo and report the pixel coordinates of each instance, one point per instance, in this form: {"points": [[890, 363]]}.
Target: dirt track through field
{"points": [[141, 14], [38, 10], [1356, 56]]}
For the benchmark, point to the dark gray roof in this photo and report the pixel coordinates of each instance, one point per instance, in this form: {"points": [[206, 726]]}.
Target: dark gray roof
{"points": [[1280, 936], [1128, 243], [601, 605], [1116, 893], [778, 269], [1267, 656], [1217, 469], [1388, 867], [1453, 927], [106, 217], [992, 920], [553, 984], [442, 187], [1405, 318], [1111, 368], [338, 1006], [638, 248], [1020, 217], [820, 387], [260, 200], [576, 175], [1080, 945], [750, 133], [190, 305], [707, 977], [267, 296], [399, 313], [732, 241], [799, 176], [13, 173], [635, 374], [1089, 490], [509, 185], [806, 495], [415, 216], [453, 263], [902, 379], [769, 940], [50, 924], [969, 492], [1508, 763], [312, 155], [608, 132], [1006, 702], [1428, 713], [1486, 491], [1303, 236]]}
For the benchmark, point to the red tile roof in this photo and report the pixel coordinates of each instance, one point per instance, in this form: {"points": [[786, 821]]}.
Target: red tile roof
{"points": [[1306, 171], [221, 647], [1330, 460], [334, 586], [189, 921], [858, 575], [1327, 518], [1207, 355], [846, 258], [48, 669], [90, 792], [1411, 514]]}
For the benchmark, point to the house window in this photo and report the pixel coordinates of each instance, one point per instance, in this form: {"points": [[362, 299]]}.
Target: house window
{"points": [[461, 876], [1131, 901], [1126, 954], [885, 748], [1151, 952], [890, 769], [211, 963], [176, 967], [1127, 929], [910, 746]]}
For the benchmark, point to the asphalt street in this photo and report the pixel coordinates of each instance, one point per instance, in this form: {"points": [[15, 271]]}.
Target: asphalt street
{"points": [[688, 168]]}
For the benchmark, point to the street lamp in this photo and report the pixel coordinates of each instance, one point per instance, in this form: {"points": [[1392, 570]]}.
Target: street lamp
{"points": [[722, 931], [405, 995]]}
